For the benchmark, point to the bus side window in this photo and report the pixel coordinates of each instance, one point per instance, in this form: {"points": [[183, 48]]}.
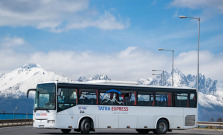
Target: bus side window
{"points": [[66, 98], [128, 97], [109, 97], [146, 99], [163, 99], [181, 99], [87, 97], [133, 98], [192, 100]]}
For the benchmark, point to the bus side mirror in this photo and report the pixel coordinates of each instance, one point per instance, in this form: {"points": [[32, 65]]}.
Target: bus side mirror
{"points": [[29, 91]]}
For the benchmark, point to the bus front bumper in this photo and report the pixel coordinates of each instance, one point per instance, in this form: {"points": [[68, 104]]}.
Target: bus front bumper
{"points": [[44, 123]]}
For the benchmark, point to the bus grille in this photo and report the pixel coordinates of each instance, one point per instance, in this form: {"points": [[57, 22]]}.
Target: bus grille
{"points": [[190, 120]]}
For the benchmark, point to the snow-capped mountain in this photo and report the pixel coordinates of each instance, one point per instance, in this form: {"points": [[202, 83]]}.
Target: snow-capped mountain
{"points": [[180, 80], [210, 91], [17, 82]]}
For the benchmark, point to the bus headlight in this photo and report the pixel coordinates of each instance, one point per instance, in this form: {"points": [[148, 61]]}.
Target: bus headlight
{"points": [[51, 121]]}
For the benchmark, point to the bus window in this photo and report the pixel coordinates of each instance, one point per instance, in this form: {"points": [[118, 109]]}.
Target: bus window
{"points": [[133, 98], [87, 96], [66, 98], [181, 100], [163, 99], [128, 97], [110, 97], [145, 99], [192, 100]]}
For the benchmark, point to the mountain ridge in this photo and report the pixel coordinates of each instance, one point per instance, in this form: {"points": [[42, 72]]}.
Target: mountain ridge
{"points": [[17, 82]]}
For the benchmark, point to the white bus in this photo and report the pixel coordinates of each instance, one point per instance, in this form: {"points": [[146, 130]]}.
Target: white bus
{"points": [[85, 107]]}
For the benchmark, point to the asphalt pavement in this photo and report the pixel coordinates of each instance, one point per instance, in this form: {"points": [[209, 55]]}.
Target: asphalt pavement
{"points": [[29, 130]]}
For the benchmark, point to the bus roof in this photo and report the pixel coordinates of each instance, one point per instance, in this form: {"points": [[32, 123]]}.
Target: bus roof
{"points": [[118, 83]]}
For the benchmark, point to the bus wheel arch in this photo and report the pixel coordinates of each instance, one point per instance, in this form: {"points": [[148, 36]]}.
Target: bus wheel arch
{"points": [[84, 122], [162, 126]]}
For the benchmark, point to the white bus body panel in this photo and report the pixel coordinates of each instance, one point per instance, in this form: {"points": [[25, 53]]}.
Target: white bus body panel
{"points": [[191, 111], [44, 119], [103, 116]]}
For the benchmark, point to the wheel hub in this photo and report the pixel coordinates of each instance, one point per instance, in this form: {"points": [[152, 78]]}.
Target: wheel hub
{"points": [[162, 126], [87, 126]]}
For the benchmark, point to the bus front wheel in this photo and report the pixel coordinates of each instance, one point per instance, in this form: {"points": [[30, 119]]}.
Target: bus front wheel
{"points": [[161, 127], [66, 131], [142, 131], [85, 126]]}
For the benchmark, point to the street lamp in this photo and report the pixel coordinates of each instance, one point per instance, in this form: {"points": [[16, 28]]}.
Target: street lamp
{"points": [[162, 76], [160, 49], [197, 18]]}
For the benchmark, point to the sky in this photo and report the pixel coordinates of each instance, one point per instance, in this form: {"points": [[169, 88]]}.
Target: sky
{"points": [[119, 38]]}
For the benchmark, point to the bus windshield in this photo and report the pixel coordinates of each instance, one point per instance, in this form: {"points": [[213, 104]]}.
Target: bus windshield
{"points": [[45, 97]]}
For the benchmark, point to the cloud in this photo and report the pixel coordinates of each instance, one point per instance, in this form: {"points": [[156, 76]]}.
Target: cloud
{"points": [[130, 64], [56, 16], [11, 60], [12, 42], [107, 21], [205, 5], [210, 64]]}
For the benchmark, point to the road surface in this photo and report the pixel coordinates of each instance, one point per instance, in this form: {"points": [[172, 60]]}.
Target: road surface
{"points": [[28, 130]]}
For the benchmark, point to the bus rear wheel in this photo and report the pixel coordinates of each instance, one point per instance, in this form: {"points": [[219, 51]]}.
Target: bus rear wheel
{"points": [[161, 127], [142, 131], [66, 131], [85, 126]]}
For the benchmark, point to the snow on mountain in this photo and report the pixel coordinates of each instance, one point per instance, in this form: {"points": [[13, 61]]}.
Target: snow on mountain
{"points": [[94, 78], [211, 94], [143, 81], [17, 82]]}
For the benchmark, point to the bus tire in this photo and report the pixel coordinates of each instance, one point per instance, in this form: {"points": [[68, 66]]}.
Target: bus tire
{"points": [[142, 131], [66, 131], [161, 127], [85, 126]]}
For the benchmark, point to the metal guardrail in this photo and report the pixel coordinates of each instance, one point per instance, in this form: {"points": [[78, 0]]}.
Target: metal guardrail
{"points": [[210, 124], [15, 122], [7, 116]]}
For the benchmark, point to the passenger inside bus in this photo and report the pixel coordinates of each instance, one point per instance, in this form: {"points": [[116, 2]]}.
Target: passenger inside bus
{"points": [[129, 98], [126, 99]]}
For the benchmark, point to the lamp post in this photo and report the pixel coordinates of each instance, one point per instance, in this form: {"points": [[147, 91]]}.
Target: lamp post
{"points": [[197, 18], [162, 76], [160, 49]]}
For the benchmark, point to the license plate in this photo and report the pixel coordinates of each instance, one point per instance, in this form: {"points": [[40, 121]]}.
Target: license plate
{"points": [[40, 126]]}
